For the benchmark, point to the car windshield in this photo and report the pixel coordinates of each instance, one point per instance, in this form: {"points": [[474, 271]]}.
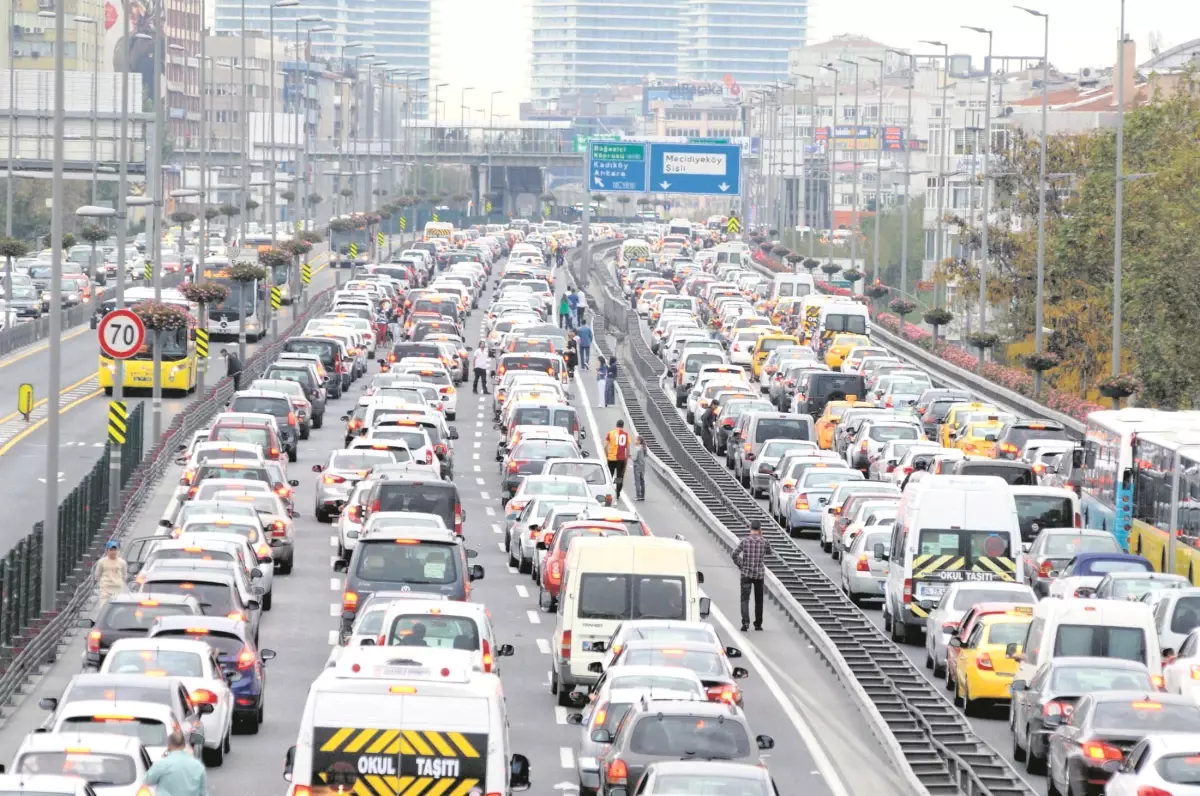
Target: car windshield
{"points": [[1103, 566], [233, 472], [688, 737], [968, 598], [705, 663], [1145, 717], [360, 460], [255, 436], [441, 632], [174, 663], [591, 472], [151, 732], [780, 428], [829, 477], [1066, 545], [645, 682], [404, 562], [98, 769], [972, 544]]}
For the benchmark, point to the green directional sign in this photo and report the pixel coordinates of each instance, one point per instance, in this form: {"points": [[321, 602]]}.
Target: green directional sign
{"points": [[581, 141], [708, 140], [617, 150]]}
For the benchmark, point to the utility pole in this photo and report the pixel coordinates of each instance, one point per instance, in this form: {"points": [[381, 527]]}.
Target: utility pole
{"points": [[832, 145], [939, 245], [122, 223], [854, 156], [1119, 200], [156, 193], [879, 121], [987, 185], [912, 78]]}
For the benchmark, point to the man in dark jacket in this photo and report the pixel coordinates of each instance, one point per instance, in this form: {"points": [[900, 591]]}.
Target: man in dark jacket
{"points": [[707, 421], [233, 367]]}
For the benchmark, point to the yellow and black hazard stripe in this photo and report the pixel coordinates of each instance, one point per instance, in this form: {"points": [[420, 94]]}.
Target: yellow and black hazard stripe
{"points": [[118, 421], [392, 762], [1003, 568], [386, 785], [925, 565], [426, 743]]}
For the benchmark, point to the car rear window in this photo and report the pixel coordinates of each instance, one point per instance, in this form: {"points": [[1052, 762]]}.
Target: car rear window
{"points": [[881, 433], [1035, 512], [1013, 476], [227, 645], [1097, 641], [1180, 769], [781, 428], [419, 498], [439, 632], [135, 616], [1147, 716], [280, 407], [422, 562], [235, 473], [249, 434], [689, 737], [216, 599], [151, 732]]}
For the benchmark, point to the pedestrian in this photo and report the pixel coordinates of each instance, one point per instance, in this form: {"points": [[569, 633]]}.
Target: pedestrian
{"points": [[601, 378], [610, 383], [750, 557], [564, 312], [481, 361], [616, 451], [707, 422], [233, 367], [580, 307], [573, 305], [586, 338], [112, 573], [638, 457], [572, 355], [178, 772]]}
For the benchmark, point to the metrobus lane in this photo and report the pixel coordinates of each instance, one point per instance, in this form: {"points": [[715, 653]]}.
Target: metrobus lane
{"points": [[822, 742], [83, 427]]}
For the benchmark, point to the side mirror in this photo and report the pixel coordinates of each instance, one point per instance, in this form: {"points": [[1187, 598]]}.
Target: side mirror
{"points": [[254, 605], [1112, 766], [733, 652], [346, 418], [1025, 546], [256, 572], [1010, 650], [48, 703], [1019, 685], [341, 565], [705, 607], [1053, 720], [504, 650], [1168, 653], [348, 616], [196, 738], [453, 433], [164, 523], [289, 763], [293, 482], [700, 578], [1085, 592], [599, 646], [596, 667], [766, 469], [317, 468], [205, 709], [575, 718], [601, 736], [476, 572], [472, 554], [86, 623], [585, 454], [764, 742], [739, 673], [955, 642], [367, 642]]}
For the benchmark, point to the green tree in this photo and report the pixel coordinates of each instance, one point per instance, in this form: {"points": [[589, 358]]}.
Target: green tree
{"points": [[890, 228]]}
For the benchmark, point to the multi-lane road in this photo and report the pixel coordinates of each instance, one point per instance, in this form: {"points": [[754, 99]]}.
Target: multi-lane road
{"points": [[83, 425], [822, 747]]}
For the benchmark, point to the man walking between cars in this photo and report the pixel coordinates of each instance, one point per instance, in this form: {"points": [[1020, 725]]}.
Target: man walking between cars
{"points": [[616, 451], [178, 773], [750, 556], [233, 367], [481, 361], [112, 573], [637, 456]]}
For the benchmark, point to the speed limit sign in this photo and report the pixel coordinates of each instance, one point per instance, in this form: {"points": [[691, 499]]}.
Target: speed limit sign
{"points": [[121, 334]]}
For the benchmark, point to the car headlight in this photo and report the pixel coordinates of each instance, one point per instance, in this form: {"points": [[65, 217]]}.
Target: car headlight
{"points": [[73, 297], [46, 296]]}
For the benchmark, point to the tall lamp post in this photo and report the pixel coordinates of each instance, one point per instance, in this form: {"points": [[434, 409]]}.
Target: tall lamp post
{"points": [[271, 110], [118, 390], [987, 184], [1041, 236], [879, 121], [939, 245], [854, 155], [437, 171], [1119, 201], [83, 20], [832, 144], [812, 116]]}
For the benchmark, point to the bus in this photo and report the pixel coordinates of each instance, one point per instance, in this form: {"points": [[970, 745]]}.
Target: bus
{"points": [[438, 229], [224, 319], [1158, 457], [179, 364], [280, 277], [1107, 492]]}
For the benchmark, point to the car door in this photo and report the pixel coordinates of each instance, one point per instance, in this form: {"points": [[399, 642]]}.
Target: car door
{"points": [[187, 710], [220, 686]]}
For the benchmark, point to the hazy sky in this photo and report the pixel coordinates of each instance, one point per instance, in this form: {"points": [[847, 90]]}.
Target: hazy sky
{"points": [[488, 42]]}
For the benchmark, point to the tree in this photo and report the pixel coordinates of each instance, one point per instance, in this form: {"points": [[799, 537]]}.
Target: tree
{"points": [[210, 213], [288, 196], [68, 240], [94, 234], [347, 192], [11, 249], [890, 228], [251, 204], [314, 199]]}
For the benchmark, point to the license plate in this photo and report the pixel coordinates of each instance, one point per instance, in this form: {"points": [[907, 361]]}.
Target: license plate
{"points": [[931, 591], [404, 672], [587, 646], [883, 585]]}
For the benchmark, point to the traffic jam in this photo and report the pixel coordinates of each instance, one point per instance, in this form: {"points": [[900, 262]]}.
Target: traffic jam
{"points": [[958, 522]]}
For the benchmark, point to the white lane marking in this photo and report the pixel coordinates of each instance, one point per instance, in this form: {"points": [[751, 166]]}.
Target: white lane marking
{"points": [[501, 546], [333, 541], [496, 527], [478, 443], [522, 591], [333, 638], [335, 609], [560, 714], [565, 757], [477, 468], [491, 512], [533, 617], [809, 738], [484, 495], [476, 457], [335, 584], [479, 481], [543, 646], [479, 433], [512, 570]]}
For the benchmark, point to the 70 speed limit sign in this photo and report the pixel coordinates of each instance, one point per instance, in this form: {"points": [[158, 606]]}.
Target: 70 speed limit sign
{"points": [[121, 334]]}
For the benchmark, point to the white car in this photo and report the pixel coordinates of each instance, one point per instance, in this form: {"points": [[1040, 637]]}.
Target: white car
{"points": [[258, 556], [118, 761], [957, 600], [150, 721], [350, 521], [193, 663], [206, 451], [1166, 763], [440, 378]]}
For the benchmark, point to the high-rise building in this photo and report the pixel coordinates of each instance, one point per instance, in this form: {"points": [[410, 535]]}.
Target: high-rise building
{"points": [[402, 36], [582, 46], [747, 40], [227, 20]]}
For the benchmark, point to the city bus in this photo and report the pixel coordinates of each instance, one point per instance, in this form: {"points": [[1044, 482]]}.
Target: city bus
{"points": [[1158, 457], [224, 319], [280, 277], [179, 364]]}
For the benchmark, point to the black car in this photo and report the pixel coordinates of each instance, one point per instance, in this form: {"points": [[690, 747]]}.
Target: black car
{"points": [[330, 354], [933, 405], [130, 616], [1086, 749], [400, 490], [304, 374], [1012, 438], [821, 387], [1039, 705], [219, 591]]}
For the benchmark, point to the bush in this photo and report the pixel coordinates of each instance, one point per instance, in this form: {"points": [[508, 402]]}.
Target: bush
{"points": [[315, 199], [938, 317], [211, 212], [781, 251], [830, 268], [297, 247], [288, 196], [310, 236], [159, 316], [183, 217], [274, 258], [766, 246], [347, 192], [251, 204], [341, 225], [983, 340], [548, 198], [793, 257], [11, 247], [94, 233], [229, 210], [204, 292], [810, 264]]}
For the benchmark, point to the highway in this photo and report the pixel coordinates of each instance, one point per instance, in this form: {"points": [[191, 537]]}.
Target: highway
{"points": [[83, 424], [822, 747]]}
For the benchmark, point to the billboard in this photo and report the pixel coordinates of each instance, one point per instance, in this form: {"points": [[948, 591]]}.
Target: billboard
{"points": [[143, 18], [687, 91], [862, 137]]}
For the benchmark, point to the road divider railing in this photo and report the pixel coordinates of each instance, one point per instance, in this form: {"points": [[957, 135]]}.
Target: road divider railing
{"points": [[930, 744], [32, 634]]}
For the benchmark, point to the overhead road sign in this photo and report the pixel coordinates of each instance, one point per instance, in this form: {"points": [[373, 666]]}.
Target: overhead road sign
{"points": [[121, 334], [703, 169], [617, 166]]}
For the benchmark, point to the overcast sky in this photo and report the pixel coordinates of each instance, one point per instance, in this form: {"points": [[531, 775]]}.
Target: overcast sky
{"points": [[485, 43]]}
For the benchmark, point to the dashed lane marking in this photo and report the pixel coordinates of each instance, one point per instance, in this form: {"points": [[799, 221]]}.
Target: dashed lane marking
{"points": [[522, 592], [480, 481], [488, 510], [565, 757], [543, 646], [496, 529], [534, 619], [335, 584]]}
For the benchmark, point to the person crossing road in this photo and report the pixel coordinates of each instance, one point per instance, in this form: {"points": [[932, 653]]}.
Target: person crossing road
{"points": [[616, 451]]}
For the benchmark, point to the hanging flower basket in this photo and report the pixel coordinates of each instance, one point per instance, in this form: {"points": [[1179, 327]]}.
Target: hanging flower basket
{"points": [[159, 316], [341, 225], [938, 317], [274, 258], [830, 269], [297, 247], [1120, 386], [983, 340], [247, 272], [877, 290], [1040, 363], [204, 292], [811, 264], [766, 246], [852, 276], [310, 236], [781, 251], [793, 258], [901, 306]]}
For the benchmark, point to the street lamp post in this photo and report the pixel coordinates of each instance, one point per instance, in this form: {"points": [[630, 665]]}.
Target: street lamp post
{"points": [[987, 185], [831, 143], [114, 461], [943, 130], [1119, 201], [437, 171], [912, 78], [83, 20], [854, 155], [878, 169], [271, 110], [1041, 236]]}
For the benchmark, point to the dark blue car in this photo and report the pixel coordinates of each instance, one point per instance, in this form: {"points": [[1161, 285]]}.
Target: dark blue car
{"points": [[1095, 566], [244, 666]]}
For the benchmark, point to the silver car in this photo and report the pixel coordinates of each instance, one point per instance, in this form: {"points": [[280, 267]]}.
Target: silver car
{"points": [[958, 599], [757, 476], [337, 477], [864, 577]]}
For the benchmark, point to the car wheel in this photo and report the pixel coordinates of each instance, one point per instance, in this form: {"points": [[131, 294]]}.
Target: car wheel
{"points": [[318, 421], [756, 493], [512, 558], [451, 415], [250, 725], [524, 566], [227, 745], [285, 566], [1018, 752], [266, 601], [322, 515], [292, 455], [304, 432], [213, 757]]}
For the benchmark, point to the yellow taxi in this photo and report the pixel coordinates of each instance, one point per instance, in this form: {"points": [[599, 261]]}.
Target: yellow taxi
{"points": [[827, 422], [841, 346], [765, 345], [982, 670], [953, 419], [978, 438]]}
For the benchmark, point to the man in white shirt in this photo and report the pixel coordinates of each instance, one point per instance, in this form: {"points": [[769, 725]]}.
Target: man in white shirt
{"points": [[481, 361]]}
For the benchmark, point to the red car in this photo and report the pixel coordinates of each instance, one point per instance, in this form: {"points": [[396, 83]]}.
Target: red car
{"points": [[553, 568]]}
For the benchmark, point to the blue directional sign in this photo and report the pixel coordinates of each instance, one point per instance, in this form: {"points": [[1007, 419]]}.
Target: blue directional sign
{"points": [[617, 166], [707, 169]]}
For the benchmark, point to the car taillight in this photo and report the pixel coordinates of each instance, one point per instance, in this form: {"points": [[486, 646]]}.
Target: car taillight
{"points": [[391, 357], [513, 466], [1054, 708], [274, 453], [727, 422], [1150, 790], [564, 646], [801, 502], [887, 404], [93, 641], [1045, 569], [908, 470], [441, 449], [862, 565], [458, 519], [618, 772], [349, 601], [353, 512], [1008, 447], [188, 475], [428, 456], [291, 418], [192, 492], [984, 662], [1078, 520], [1097, 750], [907, 591], [246, 659], [298, 402], [555, 572], [202, 696], [722, 693], [333, 479], [487, 657], [278, 528], [863, 447], [949, 627], [283, 490]]}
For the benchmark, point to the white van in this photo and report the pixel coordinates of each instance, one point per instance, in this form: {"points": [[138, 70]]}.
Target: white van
{"points": [[949, 529], [792, 286], [680, 226], [1089, 628], [842, 316], [615, 579], [421, 718], [1041, 507]]}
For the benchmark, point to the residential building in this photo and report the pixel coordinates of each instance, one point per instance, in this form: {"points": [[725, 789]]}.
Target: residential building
{"points": [[746, 40], [31, 36], [227, 19], [807, 60]]}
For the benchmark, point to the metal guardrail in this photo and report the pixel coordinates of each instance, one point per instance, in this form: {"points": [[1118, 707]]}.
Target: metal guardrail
{"points": [[930, 739], [32, 634]]}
